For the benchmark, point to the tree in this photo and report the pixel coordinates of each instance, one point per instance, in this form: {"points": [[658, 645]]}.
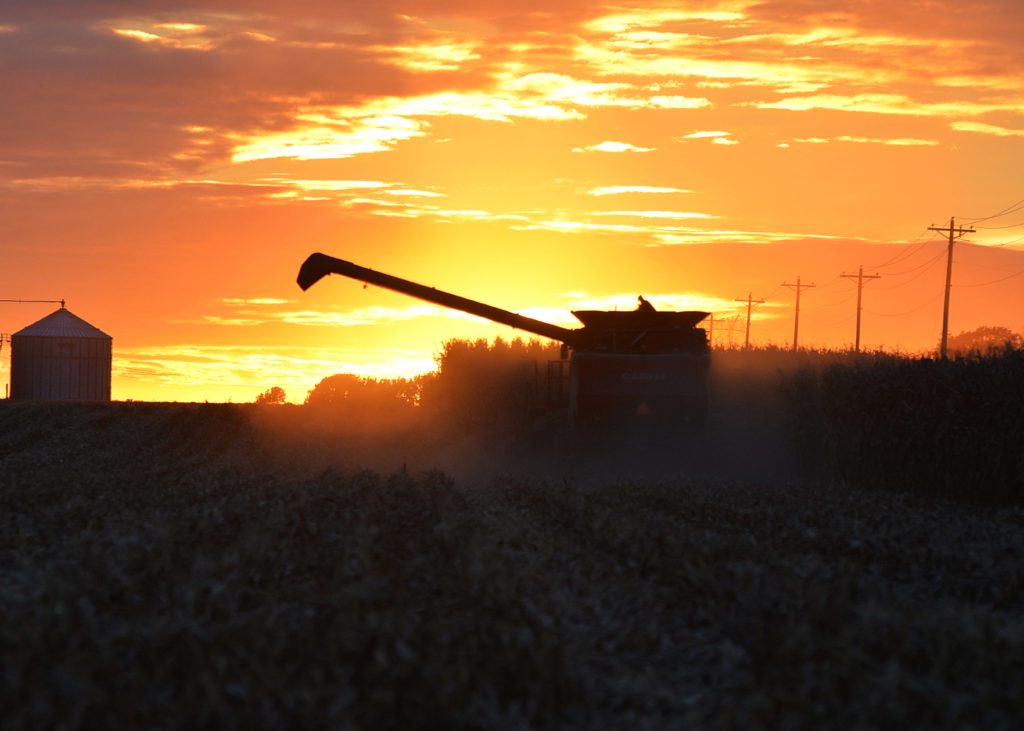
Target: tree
{"points": [[983, 340], [273, 395]]}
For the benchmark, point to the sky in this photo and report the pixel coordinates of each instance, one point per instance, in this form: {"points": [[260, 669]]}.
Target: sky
{"points": [[166, 167]]}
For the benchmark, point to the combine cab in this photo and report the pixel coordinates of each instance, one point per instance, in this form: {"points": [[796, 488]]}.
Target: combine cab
{"points": [[622, 368]]}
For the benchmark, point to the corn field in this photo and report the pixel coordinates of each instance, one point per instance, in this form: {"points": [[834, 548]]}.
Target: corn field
{"points": [[181, 566]]}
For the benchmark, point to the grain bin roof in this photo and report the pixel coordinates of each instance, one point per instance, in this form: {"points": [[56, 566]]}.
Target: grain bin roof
{"points": [[62, 324]]}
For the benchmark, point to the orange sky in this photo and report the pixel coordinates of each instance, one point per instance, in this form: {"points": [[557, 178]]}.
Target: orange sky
{"points": [[167, 169]]}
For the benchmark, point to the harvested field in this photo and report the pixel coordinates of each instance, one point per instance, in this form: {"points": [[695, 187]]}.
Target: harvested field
{"points": [[177, 566]]}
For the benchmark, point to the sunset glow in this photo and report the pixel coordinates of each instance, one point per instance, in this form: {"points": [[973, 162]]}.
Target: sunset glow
{"points": [[168, 171]]}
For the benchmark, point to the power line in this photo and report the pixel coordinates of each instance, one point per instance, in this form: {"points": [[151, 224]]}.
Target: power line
{"points": [[830, 282], [908, 312], [907, 253], [1012, 208], [1011, 242], [997, 228], [924, 268], [994, 281], [918, 267], [842, 301]]}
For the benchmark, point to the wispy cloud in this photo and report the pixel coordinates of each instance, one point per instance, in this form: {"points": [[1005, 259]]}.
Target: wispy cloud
{"points": [[657, 17], [413, 193], [623, 189], [382, 123], [612, 146], [195, 368], [987, 129], [433, 56], [893, 141], [672, 215], [190, 36], [898, 104], [322, 137], [256, 311], [717, 137], [255, 301], [677, 301]]}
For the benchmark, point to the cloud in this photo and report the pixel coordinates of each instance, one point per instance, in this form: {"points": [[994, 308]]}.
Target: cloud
{"points": [[170, 35], [317, 82], [413, 193], [672, 301], [622, 189], [570, 226], [799, 48], [380, 124], [193, 367], [325, 138], [899, 104], [610, 146], [657, 17], [255, 301], [681, 236], [717, 137], [433, 56], [256, 311], [987, 129], [673, 215], [894, 141], [661, 234]]}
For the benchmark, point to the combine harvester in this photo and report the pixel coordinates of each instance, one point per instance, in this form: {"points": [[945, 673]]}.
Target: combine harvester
{"points": [[622, 369]]}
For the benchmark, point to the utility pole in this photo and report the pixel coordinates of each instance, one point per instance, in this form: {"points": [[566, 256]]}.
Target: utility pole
{"points": [[954, 234], [796, 321], [750, 301], [860, 277], [711, 329]]}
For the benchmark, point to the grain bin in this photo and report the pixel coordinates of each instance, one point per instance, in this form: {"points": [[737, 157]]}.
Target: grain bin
{"points": [[61, 358]]}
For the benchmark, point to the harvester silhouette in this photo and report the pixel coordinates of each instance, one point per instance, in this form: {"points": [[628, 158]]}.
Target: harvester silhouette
{"points": [[622, 368]]}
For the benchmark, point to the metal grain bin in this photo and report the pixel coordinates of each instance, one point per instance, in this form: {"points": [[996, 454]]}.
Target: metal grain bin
{"points": [[61, 358]]}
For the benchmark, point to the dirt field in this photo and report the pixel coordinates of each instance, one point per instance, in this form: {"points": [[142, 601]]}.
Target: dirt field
{"points": [[176, 566]]}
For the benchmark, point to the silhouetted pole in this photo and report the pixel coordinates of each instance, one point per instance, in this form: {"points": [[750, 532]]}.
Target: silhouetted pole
{"points": [[711, 329], [949, 276], [796, 321], [860, 277], [750, 301]]}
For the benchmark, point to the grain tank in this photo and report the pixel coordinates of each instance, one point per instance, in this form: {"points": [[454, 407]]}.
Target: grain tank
{"points": [[637, 367]]}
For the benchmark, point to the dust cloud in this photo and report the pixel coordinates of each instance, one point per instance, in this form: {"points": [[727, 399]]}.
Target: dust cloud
{"points": [[481, 435]]}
